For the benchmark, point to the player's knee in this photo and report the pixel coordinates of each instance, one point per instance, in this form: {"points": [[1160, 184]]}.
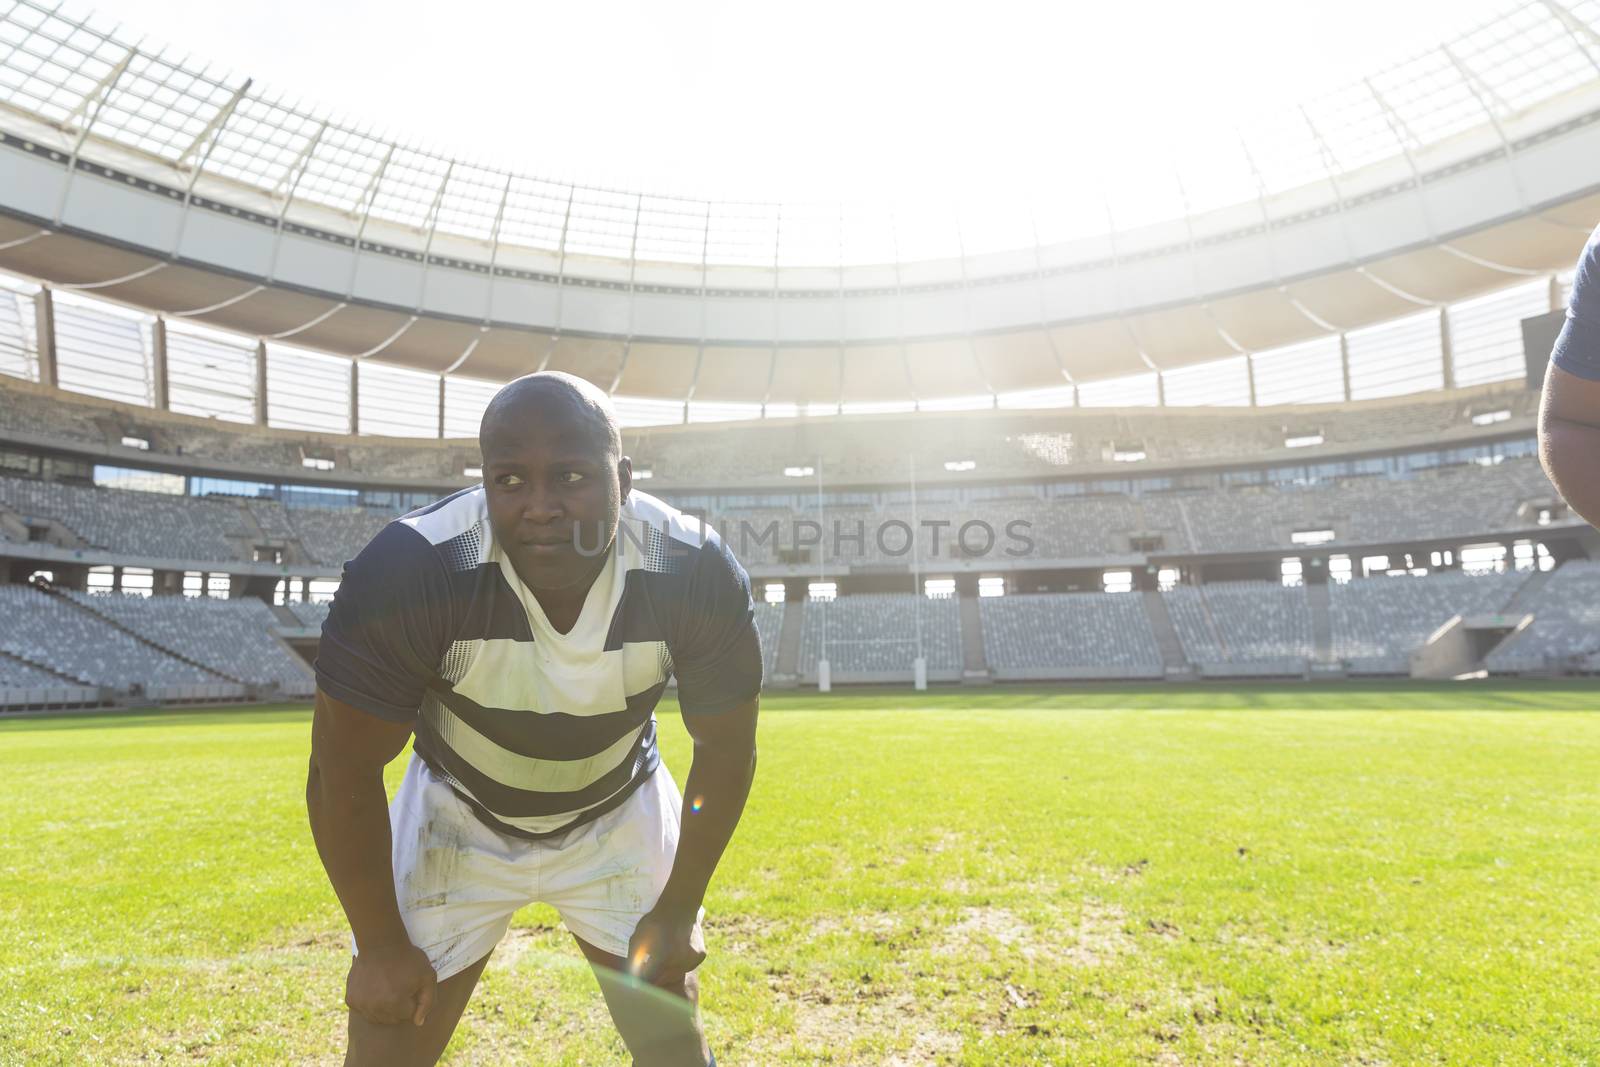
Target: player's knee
{"points": [[661, 1025], [403, 1044], [689, 988]]}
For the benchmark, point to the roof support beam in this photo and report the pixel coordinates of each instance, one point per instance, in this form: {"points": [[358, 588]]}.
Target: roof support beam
{"points": [[969, 318], [98, 97], [433, 228], [488, 298], [209, 136], [1122, 319], [700, 348], [44, 334], [261, 383], [212, 128], [1492, 105], [160, 387], [95, 98], [633, 271], [368, 197], [1583, 35], [838, 403], [1194, 274], [1344, 364], [561, 280], [298, 169], [1447, 357], [494, 253], [1044, 317], [899, 321], [1267, 227], [772, 361]]}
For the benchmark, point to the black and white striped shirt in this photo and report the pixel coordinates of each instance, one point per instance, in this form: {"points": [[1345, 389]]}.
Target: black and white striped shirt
{"points": [[537, 730]]}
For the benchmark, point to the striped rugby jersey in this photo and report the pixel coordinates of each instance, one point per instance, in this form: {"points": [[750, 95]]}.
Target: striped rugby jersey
{"points": [[536, 730]]}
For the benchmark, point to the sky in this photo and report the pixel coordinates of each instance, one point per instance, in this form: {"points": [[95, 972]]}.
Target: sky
{"points": [[823, 101]]}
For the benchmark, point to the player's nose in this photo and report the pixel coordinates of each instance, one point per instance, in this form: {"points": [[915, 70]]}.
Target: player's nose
{"points": [[541, 506]]}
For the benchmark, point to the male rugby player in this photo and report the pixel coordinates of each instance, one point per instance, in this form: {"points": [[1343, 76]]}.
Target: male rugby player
{"points": [[1569, 415], [523, 631]]}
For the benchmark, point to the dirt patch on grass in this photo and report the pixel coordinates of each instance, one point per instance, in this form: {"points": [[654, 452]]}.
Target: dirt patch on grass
{"points": [[1309, 946], [530, 943], [868, 1026], [752, 937], [1093, 936]]}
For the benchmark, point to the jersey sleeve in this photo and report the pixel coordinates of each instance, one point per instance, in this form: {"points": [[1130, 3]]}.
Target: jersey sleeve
{"points": [[389, 626], [717, 657], [1577, 349]]}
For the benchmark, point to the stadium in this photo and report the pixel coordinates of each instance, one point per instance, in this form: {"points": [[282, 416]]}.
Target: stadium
{"points": [[1256, 433]]}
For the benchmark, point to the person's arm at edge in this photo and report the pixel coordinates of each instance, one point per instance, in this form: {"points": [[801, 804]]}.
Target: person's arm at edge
{"points": [[714, 795], [1569, 439], [349, 815]]}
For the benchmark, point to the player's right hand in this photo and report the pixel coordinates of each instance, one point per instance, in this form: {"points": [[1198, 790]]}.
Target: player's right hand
{"points": [[391, 984]]}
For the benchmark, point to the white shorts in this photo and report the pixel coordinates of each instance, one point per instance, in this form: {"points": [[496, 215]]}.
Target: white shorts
{"points": [[458, 881]]}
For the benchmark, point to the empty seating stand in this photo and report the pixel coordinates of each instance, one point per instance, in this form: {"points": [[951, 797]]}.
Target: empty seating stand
{"points": [[1565, 633], [65, 639], [769, 624], [873, 637], [1069, 636], [1243, 629], [232, 638], [1378, 622]]}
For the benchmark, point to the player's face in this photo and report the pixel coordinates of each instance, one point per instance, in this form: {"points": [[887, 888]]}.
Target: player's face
{"points": [[555, 496]]}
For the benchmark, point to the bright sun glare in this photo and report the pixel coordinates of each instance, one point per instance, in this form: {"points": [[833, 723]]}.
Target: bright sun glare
{"points": [[830, 101]]}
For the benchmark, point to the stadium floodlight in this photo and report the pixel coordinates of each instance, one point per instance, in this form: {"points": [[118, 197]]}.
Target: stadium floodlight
{"points": [[960, 465], [1119, 581], [1489, 418], [1304, 440], [799, 472], [642, 473]]}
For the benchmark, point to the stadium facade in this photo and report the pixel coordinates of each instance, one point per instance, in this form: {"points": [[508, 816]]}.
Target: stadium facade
{"points": [[237, 337]]}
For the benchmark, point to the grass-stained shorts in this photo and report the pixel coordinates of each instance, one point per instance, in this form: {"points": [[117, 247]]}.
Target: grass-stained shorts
{"points": [[458, 881]]}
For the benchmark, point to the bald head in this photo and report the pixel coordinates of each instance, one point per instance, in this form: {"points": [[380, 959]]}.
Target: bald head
{"points": [[546, 397]]}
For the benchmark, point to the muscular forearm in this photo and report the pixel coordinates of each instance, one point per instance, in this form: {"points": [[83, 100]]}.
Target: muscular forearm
{"points": [[713, 799], [1570, 452], [351, 827]]}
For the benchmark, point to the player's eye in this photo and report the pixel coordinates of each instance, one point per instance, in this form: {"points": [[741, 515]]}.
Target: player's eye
{"points": [[572, 477], [508, 481]]}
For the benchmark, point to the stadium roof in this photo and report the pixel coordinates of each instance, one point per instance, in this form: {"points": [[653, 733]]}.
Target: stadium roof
{"points": [[72, 76], [1457, 172]]}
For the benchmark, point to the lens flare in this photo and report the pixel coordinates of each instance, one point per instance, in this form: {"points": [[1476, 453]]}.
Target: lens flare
{"points": [[695, 804]]}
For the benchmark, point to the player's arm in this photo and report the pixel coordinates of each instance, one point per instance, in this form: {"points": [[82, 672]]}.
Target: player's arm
{"points": [[388, 626], [717, 658], [1569, 439], [391, 980], [714, 795]]}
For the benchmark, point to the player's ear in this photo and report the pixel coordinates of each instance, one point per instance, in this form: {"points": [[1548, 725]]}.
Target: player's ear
{"points": [[624, 477]]}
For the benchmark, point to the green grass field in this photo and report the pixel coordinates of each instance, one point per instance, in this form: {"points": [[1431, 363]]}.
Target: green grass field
{"points": [[1353, 875]]}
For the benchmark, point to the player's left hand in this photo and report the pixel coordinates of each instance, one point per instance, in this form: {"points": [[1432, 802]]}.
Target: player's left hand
{"points": [[666, 945]]}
